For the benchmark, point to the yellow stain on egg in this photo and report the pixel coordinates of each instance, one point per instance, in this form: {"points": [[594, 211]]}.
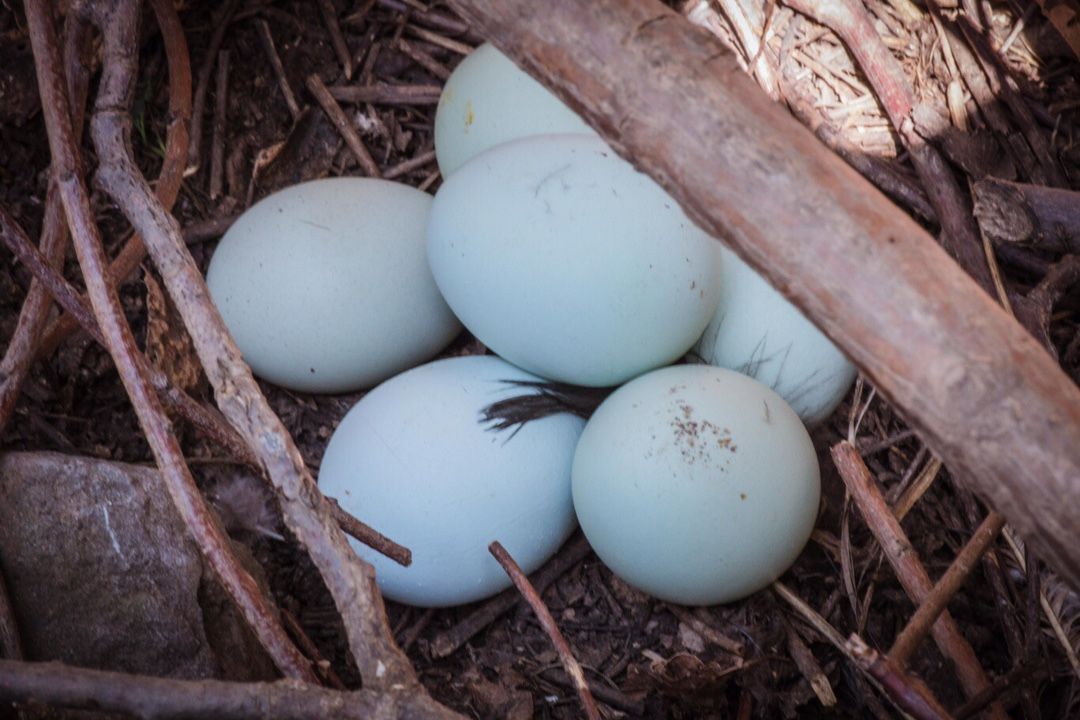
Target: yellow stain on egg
{"points": [[470, 116]]}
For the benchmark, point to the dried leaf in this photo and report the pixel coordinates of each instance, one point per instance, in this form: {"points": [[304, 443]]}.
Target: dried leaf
{"points": [[168, 345]]}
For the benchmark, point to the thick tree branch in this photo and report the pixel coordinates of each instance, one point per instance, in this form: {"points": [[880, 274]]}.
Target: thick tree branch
{"points": [[976, 386]]}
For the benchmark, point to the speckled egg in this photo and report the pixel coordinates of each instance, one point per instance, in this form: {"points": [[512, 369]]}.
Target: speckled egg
{"points": [[696, 484]]}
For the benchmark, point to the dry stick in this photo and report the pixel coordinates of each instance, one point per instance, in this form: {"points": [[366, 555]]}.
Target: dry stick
{"points": [[946, 587], [448, 642], [993, 692], [603, 693], [809, 667], [849, 20], [909, 692], [337, 39], [804, 106], [10, 645], [322, 666], [432, 19], [203, 230], [385, 94], [70, 300], [344, 125], [349, 580], [176, 147], [221, 21], [23, 346], [909, 571], [987, 100], [815, 620], [573, 667], [166, 699], [437, 39], [205, 419], [407, 166], [267, 41], [752, 42], [1002, 87], [981, 392], [121, 343], [369, 536], [424, 60], [1034, 215], [217, 148]]}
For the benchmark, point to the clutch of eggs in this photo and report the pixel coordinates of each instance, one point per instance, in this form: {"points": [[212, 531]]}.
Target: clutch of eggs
{"points": [[325, 285], [415, 461]]}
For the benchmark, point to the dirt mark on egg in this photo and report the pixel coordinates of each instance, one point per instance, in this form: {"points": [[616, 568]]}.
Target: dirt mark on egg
{"points": [[697, 439]]}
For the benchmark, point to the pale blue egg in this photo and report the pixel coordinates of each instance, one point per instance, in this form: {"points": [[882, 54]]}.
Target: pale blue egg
{"points": [[414, 460], [325, 285], [569, 263], [696, 484], [487, 101], [756, 331]]}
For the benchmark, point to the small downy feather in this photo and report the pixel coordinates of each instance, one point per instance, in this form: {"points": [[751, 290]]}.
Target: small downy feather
{"points": [[245, 505]]}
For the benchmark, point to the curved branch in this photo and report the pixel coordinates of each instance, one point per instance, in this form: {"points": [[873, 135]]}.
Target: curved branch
{"points": [[171, 175], [24, 343], [121, 344], [306, 512]]}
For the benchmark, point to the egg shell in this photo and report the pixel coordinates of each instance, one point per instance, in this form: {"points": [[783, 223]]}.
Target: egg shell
{"points": [[696, 484], [569, 263], [488, 100], [756, 331], [326, 288], [413, 460]]}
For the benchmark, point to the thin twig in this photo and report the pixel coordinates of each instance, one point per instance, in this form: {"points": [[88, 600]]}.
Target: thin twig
{"points": [[432, 19], [120, 341], [10, 645], [321, 665], [849, 20], [573, 667], [217, 147], [946, 587], [424, 60], [907, 691], [909, 570], [385, 94], [349, 580], [221, 20], [207, 420], [171, 176], [809, 667], [407, 166], [337, 39], [370, 537], [448, 642], [267, 41], [436, 39], [344, 125]]}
